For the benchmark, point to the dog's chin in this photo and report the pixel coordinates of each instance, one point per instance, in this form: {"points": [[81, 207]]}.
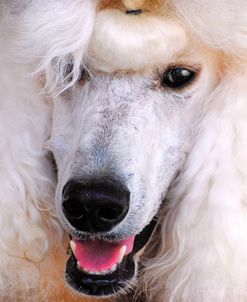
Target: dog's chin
{"points": [[106, 282]]}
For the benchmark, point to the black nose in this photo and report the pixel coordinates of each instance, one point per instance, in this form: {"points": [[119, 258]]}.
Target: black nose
{"points": [[96, 207]]}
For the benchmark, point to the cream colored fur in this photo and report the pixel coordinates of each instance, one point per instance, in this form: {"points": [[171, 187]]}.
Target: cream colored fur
{"points": [[152, 39], [201, 250]]}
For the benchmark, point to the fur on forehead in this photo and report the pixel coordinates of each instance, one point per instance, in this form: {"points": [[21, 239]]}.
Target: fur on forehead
{"points": [[126, 42]]}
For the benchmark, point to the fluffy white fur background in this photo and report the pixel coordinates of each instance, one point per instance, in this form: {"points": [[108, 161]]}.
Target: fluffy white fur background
{"points": [[203, 251]]}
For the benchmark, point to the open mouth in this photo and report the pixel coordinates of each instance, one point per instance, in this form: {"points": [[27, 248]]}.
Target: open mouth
{"points": [[100, 268]]}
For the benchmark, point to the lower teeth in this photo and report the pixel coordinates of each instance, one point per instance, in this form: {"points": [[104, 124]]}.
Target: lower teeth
{"points": [[103, 272]]}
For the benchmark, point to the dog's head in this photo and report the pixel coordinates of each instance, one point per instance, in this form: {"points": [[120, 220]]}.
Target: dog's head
{"points": [[120, 135]]}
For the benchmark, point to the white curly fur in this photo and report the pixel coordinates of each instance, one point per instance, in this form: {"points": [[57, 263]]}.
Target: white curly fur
{"points": [[202, 252]]}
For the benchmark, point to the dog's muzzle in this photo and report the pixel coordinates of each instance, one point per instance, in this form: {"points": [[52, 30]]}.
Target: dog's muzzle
{"points": [[97, 266]]}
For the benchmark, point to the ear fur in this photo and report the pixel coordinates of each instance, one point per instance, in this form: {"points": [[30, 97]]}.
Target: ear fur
{"points": [[31, 41], [53, 43], [218, 24]]}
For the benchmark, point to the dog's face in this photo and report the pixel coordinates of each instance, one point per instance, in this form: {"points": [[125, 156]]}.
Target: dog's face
{"points": [[119, 138]]}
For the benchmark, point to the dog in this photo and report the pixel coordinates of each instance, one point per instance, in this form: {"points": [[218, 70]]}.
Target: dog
{"points": [[123, 129]]}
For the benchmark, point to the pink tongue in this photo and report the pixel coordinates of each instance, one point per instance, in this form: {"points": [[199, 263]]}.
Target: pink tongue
{"points": [[99, 255]]}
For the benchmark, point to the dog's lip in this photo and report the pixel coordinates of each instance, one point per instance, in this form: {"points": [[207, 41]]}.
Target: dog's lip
{"points": [[111, 282], [99, 285]]}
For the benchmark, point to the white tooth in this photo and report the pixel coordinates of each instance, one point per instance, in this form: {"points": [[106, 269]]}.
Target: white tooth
{"points": [[122, 253], [78, 265], [104, 272], [94, 273], [113, 268], [72, 245]]}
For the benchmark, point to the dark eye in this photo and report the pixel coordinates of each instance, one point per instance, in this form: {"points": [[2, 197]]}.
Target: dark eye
{"points": [[178, 77]]}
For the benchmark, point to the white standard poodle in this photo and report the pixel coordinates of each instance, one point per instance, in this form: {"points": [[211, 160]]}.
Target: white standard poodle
{"points": [[124, 133]]}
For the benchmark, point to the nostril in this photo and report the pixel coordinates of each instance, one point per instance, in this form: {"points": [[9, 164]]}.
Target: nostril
{"points": [[109, 213], [73, 210]]}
